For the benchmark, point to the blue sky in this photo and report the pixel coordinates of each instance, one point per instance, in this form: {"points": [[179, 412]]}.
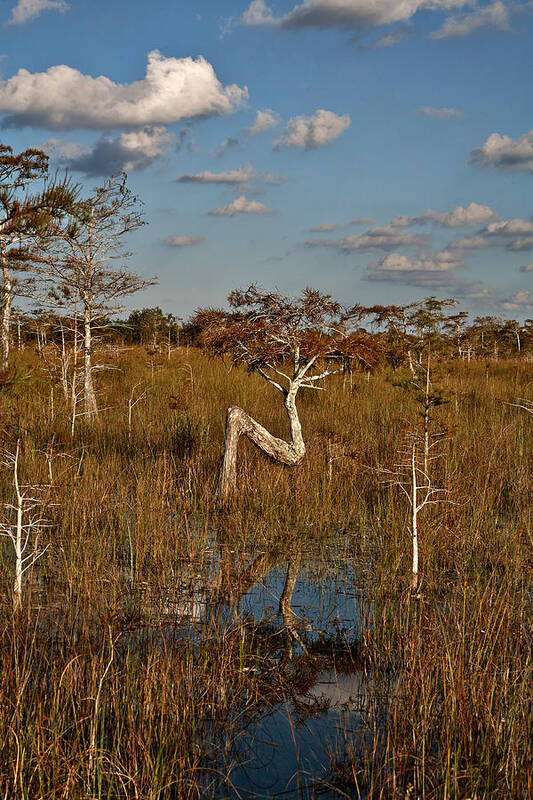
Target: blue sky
{"points": [[401, 129]]}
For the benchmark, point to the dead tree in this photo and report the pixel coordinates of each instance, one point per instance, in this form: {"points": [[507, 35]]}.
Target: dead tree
{"points": [[411, 476], [23, 530], [293, 343], [73, 267]]}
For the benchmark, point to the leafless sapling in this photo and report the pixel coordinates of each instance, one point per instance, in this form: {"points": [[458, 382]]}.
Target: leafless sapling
{"points": [[23, 530], [411, 476]]}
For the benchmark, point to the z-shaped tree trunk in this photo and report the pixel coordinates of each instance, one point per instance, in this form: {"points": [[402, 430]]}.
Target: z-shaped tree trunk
{"points": [[239, 423]]}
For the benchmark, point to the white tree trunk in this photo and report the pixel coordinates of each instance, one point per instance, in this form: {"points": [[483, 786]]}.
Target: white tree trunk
{"points": [[89, 393], [239, 423], [414, 520], [6, 306]]}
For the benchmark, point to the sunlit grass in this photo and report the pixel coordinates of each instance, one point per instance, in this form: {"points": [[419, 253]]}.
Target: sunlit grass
{"points": [[101, 696]]}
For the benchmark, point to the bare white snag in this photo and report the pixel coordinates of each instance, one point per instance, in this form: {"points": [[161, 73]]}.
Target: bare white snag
{"points": [[7, 289], [20, 530], [413, 479], [132, 402]]}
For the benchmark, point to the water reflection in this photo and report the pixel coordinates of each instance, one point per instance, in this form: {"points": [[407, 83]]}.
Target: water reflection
{"points": [[303, 613]]}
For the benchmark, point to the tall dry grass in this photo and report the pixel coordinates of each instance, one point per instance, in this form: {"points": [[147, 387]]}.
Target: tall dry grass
{"points": [[105, 693]]}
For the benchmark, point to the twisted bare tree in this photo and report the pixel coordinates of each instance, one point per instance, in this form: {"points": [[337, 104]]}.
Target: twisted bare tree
{"points": [[293, 343]]}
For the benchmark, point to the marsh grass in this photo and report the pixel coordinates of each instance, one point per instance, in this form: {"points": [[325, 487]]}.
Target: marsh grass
{"points": [[107, 691]]}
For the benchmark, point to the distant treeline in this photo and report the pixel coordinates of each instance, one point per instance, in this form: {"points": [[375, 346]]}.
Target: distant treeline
{"points": [[394, 328]]}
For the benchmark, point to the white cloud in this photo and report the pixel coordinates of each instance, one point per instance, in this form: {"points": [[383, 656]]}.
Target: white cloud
{"points": [[386, 237], [510, 227], [442, 113], [494, 17], [258, 13], [460, 217], [520, 301], [505, 153], [61, 150], [241, 205], [230, 177], [63, 98], [471, 243], [526, 268], [133, 150], [516, 235], [29, 9], [431, 270], [437, 262], [264, 121], [312, 132], [183, 241], [349, 14]]}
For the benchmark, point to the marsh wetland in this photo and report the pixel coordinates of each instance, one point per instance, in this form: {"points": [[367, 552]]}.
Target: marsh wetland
{"points": [[170, 646]]}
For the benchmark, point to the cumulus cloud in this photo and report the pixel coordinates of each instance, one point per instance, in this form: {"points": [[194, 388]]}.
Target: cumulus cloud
{"points": [[471, 243], [62, 98], [264, 121], [258, 13], [460, 217], [386, 237], [134, 150], [312, 132], [505, 153], [516, 235], [526, 268], [348, 14], [25, 10], [442, 113], [429, 270], [230, 177], [62, 151], [510, 227], [520, 301], [241, 205], [183, 241], [495, 17], [437, 262]]}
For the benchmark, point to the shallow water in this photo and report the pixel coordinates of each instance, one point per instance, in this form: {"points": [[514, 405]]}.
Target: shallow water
{"points": [[287, 749], [304, 614]]}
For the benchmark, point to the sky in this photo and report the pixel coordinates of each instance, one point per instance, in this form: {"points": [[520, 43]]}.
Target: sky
{"points": [[377, 150]]}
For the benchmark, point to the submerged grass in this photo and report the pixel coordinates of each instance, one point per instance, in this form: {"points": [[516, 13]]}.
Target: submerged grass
{"points": [[112, 686]]}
